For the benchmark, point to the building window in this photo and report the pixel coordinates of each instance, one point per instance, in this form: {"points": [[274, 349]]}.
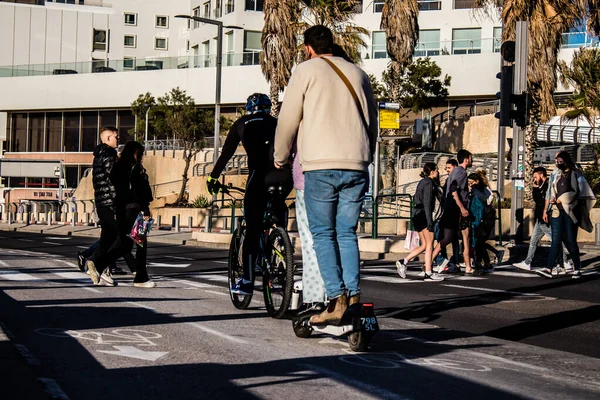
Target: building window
{"points": [[130, 19], [229, 6], [129, 41], [36, 132], [128, 63], [252, 48], [255, 5], [464, 4], [162, 21], [379, 45], [71, 139], [196, 13], [466, 41], [100, 39], [206, 13], [497, 39], [71, 176], [18, 142], [126, 125], [219, 9], [378, 6], [229, 41], [53, 132], [187, 45], [429, 43], [161, 43], [206, 54], [430, 5], [89, 130]]}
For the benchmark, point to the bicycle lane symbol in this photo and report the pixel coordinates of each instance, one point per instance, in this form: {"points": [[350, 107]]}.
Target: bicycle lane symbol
{"points": [[396, 360]]}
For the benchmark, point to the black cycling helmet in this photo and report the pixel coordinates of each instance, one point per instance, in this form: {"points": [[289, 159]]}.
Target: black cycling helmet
{"points": [[258, 102]]}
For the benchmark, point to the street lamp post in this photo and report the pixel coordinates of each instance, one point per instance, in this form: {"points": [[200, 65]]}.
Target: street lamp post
{"points": [[219, 65], [146, 128]]}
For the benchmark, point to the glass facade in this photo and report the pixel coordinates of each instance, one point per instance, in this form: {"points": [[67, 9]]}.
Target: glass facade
{"points": [[71, 132]]}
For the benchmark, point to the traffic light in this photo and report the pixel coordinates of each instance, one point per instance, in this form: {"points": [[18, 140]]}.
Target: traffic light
{"points": [[504, 95], [522, 104]]}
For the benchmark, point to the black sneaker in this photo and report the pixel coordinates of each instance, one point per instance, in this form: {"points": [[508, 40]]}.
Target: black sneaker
{"points": [[81, 261], [114, 270], [576, 274], [546, 273]]}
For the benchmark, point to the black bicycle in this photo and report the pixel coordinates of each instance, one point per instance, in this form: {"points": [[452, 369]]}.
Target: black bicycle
{"points": [[275, 261]]}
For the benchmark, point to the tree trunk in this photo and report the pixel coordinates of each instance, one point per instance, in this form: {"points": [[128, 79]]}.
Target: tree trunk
{"points": [[188, 160], [389, 178], [530, 145], [274, 95]]}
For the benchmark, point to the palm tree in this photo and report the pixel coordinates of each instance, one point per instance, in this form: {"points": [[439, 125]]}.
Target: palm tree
{"points": [[583, 75], [337, 16], [548, 20], [400, 21], [279, 45]]}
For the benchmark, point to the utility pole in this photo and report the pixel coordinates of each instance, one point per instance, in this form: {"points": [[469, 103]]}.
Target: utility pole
{"points": [[518, 148]]}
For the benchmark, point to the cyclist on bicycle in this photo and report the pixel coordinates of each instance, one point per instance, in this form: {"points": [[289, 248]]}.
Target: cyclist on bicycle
{"points": [[256, 131]]}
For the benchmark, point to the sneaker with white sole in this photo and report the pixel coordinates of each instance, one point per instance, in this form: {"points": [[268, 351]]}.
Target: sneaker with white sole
{"points": [[544, 273], [106, 278], [569, 267], [92, 272], [432, 278], [147, 284], [523, 265], [576, 274], [442, 266], [559, 270], [401, 267], [242, 287]]}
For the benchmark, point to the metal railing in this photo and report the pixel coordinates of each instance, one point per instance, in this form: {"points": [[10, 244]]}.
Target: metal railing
{"points": [[167, 188], [401, 203], [237, 165]]}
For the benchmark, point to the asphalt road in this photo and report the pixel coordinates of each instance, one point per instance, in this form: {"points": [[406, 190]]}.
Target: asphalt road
{"points": [[509, 334]]}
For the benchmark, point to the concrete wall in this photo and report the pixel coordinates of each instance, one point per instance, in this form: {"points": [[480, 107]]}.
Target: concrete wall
{"points": [[478, 134]]}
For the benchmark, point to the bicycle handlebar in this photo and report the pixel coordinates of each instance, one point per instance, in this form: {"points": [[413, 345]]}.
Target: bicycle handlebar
{"points": [[229, 187]]}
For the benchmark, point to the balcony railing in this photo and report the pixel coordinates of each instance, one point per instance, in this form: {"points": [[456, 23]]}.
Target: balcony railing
{"points": [[108, 66]]}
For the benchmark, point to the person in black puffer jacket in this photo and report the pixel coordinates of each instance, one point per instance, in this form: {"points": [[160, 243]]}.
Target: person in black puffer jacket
{"points": [[133, 195], [105, 156]]}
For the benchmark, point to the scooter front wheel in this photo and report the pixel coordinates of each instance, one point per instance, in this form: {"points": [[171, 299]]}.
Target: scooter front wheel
{"points": [[300, 330]]}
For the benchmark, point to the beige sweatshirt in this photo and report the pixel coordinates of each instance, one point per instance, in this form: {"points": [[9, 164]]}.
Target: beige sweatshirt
{"points": [[319, 108]]}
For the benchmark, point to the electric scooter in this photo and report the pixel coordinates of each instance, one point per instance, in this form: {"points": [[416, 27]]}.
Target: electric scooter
{"points": [[358, 322]]}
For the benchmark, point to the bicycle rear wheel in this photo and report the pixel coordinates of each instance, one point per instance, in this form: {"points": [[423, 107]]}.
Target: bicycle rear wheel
{"points": [[279, 276], [235, 268]]}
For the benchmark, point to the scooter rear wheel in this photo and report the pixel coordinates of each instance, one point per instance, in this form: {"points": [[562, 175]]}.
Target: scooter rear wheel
{"points": [[300, 330], [359, 341]]}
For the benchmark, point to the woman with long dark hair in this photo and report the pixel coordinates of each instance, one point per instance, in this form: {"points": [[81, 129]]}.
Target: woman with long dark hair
{"points": [[133, 195], [564, 195], [428, 191]]}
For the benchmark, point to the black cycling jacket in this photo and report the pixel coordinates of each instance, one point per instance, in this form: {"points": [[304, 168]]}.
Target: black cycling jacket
{"points": [[257, 134]]}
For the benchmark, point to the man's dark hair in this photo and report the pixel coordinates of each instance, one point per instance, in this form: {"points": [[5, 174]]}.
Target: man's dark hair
{"points": [[462, 155], [320, 38], [541, 170], [452, 162], [109, 128]]}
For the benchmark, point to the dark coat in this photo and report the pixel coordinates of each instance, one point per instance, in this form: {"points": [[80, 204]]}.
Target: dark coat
{"points": [[104, 161], [132, 187]]}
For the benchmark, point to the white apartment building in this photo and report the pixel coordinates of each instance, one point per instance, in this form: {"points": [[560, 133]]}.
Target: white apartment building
{"points": [[68, 67]]}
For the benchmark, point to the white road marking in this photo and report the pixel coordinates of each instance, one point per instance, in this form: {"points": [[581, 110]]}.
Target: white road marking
{"points": [[180, 258], [215, 278], [26, 240], [165, 265], [83, 247], [389, 279], [17, 276], [507, 361], [365, 388], [195, 284], [134, 352], [133, 303], [53, 389], [91, 289], [74, 276], [214, 292], [53, 243], [496, 291], [59, 237], [70, 264], [217, 333], [222, 262], [514, 274], [4, 264]]}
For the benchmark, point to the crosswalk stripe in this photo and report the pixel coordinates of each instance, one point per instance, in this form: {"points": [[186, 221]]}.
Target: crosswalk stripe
{"points": [[17, 276]]}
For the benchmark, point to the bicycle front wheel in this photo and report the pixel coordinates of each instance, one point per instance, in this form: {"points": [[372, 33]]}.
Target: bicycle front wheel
{"points": [[279, 276], [235, 268]]}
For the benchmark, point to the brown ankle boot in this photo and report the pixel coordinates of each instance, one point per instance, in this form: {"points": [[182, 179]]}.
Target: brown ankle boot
{"points": [[333, 313], [354, 299]]}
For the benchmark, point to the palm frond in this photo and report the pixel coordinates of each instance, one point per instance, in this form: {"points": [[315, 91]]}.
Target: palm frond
{"points": [[400, 21]]}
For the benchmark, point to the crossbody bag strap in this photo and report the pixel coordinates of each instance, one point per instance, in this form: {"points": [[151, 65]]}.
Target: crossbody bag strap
{"points": [[351, 89]]}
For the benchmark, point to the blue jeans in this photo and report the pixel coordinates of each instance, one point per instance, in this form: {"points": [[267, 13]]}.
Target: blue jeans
{"points": [[333, 201], [564, 230], [539, 230]]}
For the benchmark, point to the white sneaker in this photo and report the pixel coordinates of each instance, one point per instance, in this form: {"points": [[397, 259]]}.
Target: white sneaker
{"points": [[432, 278], [92, 272], [147, 284], [442, 265], [576, 274], [401, 267], [106, 278], [559, 270], [569, 267], [523, 265]]}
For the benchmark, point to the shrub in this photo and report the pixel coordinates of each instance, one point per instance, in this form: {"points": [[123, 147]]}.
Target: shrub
{"points": [[201, 202]]}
